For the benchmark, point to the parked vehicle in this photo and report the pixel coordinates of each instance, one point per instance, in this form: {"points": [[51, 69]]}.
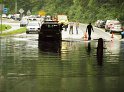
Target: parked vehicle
{"points": [[4, 16], [100, 23], [109, 23], [9, 16], [33, 27], [116, 27], [50, 30], [63, 19], [47, 18], [32, 19], [23, 22], [16, 17], [97, 22]]}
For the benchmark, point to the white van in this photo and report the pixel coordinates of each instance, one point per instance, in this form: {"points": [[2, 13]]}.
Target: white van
{"points": [[109, 24], [116, 27]]}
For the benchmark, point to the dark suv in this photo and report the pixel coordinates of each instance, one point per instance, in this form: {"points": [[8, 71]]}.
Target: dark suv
{"points": [[50, 30]]}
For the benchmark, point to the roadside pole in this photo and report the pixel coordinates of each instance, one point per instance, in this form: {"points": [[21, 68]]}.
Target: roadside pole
{"points": [[21, 12], [15, 6]]}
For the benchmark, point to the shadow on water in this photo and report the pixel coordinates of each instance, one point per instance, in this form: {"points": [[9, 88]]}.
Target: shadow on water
{"points": [[50, 46]]}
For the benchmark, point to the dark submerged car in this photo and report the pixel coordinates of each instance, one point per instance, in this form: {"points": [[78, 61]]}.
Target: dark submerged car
{"points": [[50, 30]]}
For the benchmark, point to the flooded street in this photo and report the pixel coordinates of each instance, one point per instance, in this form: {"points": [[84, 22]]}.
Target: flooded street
{"points": [[68, 66]]}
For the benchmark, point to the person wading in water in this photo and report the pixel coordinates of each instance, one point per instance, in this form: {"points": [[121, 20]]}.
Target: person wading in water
{"points": [[89, 29]]}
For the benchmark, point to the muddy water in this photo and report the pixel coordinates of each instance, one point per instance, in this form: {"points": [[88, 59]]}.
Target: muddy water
{"points": [[68, 66]]}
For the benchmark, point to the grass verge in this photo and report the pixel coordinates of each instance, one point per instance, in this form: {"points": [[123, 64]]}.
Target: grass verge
{"points": [[18, 31], [5, 27]]}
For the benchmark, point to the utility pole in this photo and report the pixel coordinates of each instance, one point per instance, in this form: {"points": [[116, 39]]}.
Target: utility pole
{"points": [[15, 6], [1, 15]]}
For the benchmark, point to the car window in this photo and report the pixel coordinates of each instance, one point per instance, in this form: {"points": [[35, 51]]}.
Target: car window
{"points": [[50, 26], [119, 25], [33, 24]]}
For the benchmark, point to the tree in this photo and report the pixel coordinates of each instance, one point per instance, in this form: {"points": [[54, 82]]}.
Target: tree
{"points": [[83, 10]]}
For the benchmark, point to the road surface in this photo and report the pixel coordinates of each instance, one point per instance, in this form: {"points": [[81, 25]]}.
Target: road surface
{"points": [[98, 33], [14, 24]]}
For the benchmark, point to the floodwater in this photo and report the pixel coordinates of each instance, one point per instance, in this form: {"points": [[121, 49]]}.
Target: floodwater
{"points": [[67, 66]]}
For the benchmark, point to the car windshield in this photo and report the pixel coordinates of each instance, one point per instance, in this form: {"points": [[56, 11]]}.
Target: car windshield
{"points": [[119, 25]]}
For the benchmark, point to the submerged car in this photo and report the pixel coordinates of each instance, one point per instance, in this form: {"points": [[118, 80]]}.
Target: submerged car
{"points": [[50, 30], [33, 27]]}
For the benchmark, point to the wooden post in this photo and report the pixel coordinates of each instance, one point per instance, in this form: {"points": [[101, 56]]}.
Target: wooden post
{"points": [[100, 51]]}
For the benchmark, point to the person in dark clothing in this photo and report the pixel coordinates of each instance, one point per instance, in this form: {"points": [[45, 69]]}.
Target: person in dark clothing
{"points": [[89, 29], [61, 26]]}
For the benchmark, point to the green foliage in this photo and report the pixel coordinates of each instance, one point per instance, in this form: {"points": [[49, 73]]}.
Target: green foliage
{"points": [[77, 10], [5, 27]]}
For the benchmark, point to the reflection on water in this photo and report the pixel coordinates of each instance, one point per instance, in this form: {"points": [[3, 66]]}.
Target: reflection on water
{"points": [[67, 66], [89, 48], [50, 46]]}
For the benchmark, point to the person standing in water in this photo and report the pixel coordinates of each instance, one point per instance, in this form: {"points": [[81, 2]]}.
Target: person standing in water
{"points": [[71, 28], [77, 27], [89, 29]]}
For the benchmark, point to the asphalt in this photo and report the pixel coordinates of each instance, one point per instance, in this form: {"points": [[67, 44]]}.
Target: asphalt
{"points": [[82, 35], [98, 32]]}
